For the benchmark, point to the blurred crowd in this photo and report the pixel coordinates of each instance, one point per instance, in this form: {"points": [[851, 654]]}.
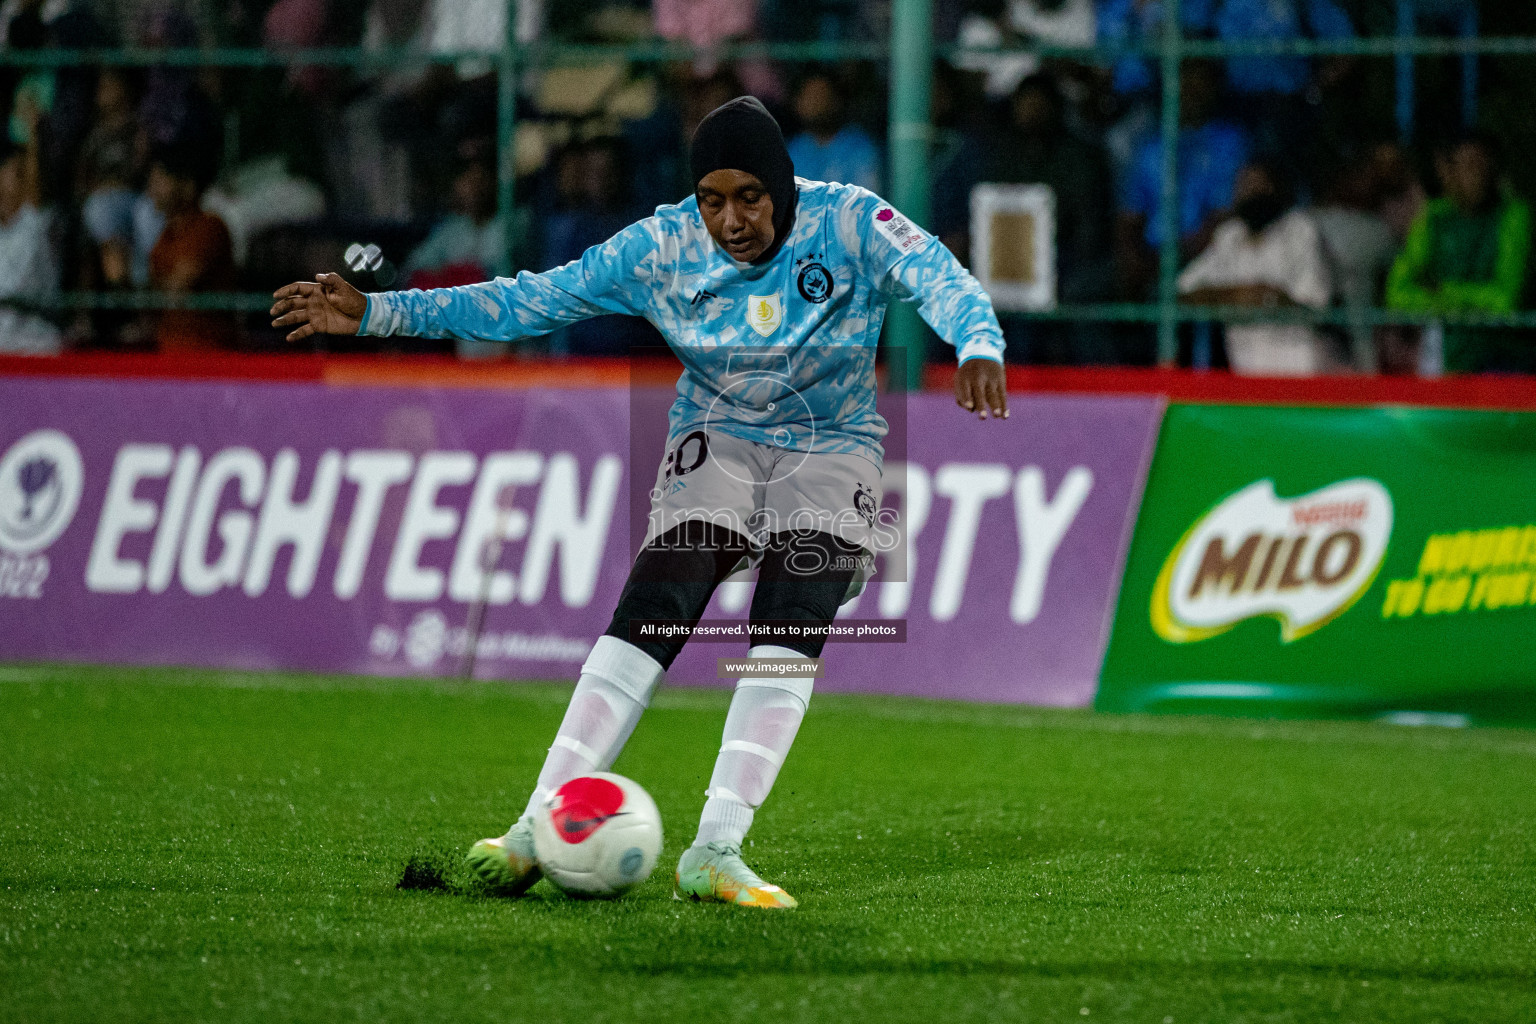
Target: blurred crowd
{"points": [[1295, 187]]}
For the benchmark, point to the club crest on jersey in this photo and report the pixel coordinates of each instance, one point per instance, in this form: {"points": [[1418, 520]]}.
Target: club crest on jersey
{"points": [[765, 313], [814, 282]]}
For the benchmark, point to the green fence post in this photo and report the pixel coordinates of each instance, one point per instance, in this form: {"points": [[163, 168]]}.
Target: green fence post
{"points": [[910, 136], [1168, 207], [506, 129]]}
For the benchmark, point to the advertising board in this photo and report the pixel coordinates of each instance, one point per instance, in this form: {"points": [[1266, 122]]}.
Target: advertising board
{"points": [[348, 529], [1333, 561]]}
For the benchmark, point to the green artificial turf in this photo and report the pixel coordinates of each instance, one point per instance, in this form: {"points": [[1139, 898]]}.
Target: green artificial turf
{"points": [[204, 846]]}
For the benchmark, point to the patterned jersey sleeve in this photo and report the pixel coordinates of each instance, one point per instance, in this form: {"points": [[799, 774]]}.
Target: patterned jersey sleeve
{"points": [[608, 278], [916, 267]]}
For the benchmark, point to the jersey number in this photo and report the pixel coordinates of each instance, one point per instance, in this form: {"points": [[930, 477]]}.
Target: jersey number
{"points": [[684, 459]]}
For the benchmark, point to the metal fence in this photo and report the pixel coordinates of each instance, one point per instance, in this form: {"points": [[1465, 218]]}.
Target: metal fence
{"points": [[908, 57]]}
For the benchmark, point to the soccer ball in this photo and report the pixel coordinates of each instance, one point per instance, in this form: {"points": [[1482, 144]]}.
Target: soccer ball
{"points": [[597, 836]]}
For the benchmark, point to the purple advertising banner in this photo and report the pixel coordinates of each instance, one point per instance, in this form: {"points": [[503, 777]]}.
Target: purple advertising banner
{"points": [[359, 529]]}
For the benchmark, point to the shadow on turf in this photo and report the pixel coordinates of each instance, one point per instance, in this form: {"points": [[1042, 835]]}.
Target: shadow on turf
{"points": [[441, 871]]}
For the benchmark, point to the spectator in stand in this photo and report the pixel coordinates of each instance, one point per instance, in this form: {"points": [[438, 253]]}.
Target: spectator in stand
{"points": [[174, 112], [705, 22], [1469, 252], [363, 145], [825, 20], [1210, 154], [1400, 199], [993, 24], [591, 206], [74, 100], [696, 97], [193, 253], [174, 109], [1359, 246], [126, 20], [29, 268], [1400, 193], [26, 89], [441, 109], [288, 112], [1140, 22], [466, 247], [469, 110], [961, 142], [709, 23], [1038, 148], [294, 24], [698, 92], [829, 148], [108, 178], [63, 94], [1133, 79], [1268, 255], [470, 244], [1277, 98]]}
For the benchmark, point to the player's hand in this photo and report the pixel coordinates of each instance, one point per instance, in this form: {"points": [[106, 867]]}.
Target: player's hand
{"points": [[980, 387], [327, 306]]}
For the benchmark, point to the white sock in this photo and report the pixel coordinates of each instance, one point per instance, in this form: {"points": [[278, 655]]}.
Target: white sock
{"points": [[765, 715], [616, 684]]}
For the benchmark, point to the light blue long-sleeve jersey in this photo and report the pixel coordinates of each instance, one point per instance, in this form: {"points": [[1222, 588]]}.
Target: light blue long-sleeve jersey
{"points": [[781, 353]]}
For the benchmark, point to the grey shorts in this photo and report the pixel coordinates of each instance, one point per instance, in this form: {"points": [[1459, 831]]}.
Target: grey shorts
{"points": [[759, 490]]}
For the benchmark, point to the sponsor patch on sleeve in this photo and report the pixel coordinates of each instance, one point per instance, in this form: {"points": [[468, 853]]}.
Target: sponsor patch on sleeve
{"points": [[902, 233]]}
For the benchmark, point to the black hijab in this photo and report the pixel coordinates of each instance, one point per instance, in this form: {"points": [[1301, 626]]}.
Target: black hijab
{"points": [[742, 136]]}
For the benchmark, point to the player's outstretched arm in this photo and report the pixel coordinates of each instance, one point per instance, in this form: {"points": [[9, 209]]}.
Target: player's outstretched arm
{"points": [[916, 266], [328, 305], [610, 277], [981, 386], [956, 307]]}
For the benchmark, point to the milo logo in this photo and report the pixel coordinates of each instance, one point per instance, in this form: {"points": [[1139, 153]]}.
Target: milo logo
{"points": [[1302, 560]]}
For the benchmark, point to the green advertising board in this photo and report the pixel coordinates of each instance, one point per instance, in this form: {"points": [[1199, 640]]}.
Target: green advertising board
{"points": [[1315, 561]]}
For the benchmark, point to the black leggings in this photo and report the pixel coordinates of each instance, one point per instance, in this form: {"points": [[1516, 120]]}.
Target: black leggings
{"points": [[802, 578]]}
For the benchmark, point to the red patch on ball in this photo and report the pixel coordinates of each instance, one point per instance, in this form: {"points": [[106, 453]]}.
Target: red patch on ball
{"points": [[885, 214], [585, 803]]}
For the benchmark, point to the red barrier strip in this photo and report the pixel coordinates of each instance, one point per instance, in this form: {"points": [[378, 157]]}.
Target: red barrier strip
{"points": [[1472, 392], [190, 367], [374, 371], [1469, 392]]}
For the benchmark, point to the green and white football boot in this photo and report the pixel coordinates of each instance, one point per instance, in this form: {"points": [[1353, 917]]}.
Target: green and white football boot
{"points": [[505, 865], [716, 874]]}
